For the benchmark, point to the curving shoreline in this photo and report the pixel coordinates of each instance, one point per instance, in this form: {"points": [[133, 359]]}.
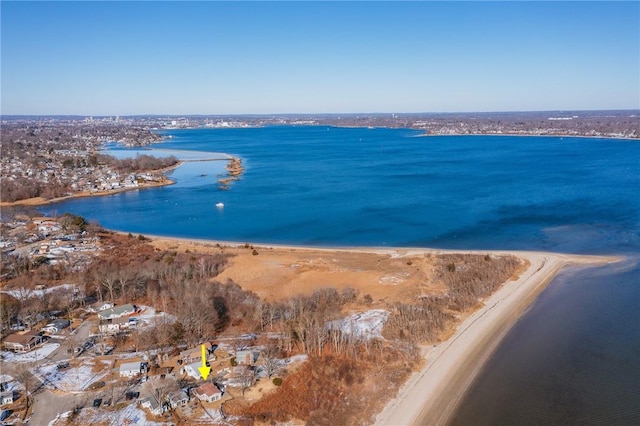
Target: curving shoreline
{"points": [[39, 201], [432, 394], [234, 170]]}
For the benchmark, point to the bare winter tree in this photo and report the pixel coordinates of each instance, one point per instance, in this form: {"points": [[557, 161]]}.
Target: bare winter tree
{"points": [[269, 358]]}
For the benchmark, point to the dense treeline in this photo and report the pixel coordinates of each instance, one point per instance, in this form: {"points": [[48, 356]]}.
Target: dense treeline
{"points": [[470, 278], [139, 163]]}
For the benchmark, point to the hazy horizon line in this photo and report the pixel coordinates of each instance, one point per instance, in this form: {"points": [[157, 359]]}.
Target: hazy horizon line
{"points": [[320, 113]]}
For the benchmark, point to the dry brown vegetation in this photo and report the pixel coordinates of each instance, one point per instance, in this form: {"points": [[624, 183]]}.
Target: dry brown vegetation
{"points": [[330, 389], [347, 378]]}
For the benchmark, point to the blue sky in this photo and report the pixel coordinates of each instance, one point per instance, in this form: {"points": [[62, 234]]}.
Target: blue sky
{"points": [[108, 58]]}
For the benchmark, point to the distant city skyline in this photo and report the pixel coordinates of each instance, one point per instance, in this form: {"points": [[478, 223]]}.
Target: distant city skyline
{"points": [[200, 58]]}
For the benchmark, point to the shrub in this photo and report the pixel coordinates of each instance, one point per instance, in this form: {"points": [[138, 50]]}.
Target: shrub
{"points": [[277, 381]]}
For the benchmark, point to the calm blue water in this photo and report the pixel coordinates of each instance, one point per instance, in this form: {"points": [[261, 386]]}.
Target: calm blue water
{"points": [[573, 358], [333, 186]]}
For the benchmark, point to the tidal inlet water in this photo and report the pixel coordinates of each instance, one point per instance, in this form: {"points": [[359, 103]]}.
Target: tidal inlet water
{"points": [[573, 358]]}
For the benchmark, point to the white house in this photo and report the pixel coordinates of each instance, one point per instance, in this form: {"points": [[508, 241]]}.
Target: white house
{"points": [[117, 312], [130, 369], [6, 397], [192, 370], [99, 306], [151, 403], [178, 398], [116, 325]]}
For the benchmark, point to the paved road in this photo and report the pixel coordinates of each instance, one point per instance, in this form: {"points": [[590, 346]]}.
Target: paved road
{"points": [[48, 405]]}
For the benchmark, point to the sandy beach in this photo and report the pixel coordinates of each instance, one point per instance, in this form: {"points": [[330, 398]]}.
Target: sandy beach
{"points": [[431, 395]]}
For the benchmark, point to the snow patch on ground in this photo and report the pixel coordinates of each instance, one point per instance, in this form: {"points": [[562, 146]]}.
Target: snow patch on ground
{"points": [[294, 359], [36, 355], [211, 415], [129, 415], [365, 325], [11, 384], [25, 293], [72, 379], [148, 317]]}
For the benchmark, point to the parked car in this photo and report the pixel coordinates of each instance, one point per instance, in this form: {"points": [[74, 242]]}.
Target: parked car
{"points": [[132, 395], [5, 414]]}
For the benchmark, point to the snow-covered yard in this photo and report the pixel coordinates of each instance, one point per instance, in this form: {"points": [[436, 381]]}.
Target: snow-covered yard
{"points": [[211, 415], [148, 317], [75, 378], [365, 325], [11, 384], [129, 415], [27, 293], [36, 355]]}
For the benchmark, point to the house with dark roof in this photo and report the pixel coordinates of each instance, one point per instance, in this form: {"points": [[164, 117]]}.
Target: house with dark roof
{"points": [[23, 342], [56, 326]]}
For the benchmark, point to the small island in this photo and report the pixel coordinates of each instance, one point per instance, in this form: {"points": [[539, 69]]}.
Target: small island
{"points": [[234, 171]]}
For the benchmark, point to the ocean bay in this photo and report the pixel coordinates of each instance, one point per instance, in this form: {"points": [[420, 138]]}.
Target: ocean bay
{"points": [[334, 186], [331, 186]]}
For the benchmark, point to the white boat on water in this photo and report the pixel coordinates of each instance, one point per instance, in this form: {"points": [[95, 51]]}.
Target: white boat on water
{"points": [[220, 205]]}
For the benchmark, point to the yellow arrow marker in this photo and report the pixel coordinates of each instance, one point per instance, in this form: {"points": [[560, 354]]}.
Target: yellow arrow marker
{"points": [[204, 370]]}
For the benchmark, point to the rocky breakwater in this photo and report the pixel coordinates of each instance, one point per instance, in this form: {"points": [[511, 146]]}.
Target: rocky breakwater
{"points": [[234, 171]]}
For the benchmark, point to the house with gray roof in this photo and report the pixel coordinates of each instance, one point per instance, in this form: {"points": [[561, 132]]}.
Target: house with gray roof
{"points": [[130, 369], [151, 403], [178, 398], [117, 312]]}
